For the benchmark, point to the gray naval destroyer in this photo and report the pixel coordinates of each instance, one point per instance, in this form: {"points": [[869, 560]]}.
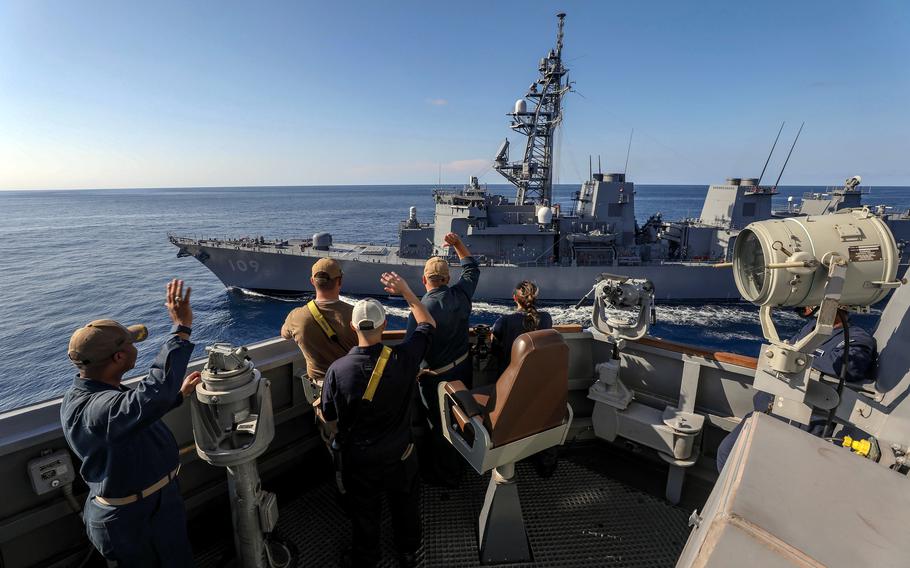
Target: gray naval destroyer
{"points": [[528, 237]]}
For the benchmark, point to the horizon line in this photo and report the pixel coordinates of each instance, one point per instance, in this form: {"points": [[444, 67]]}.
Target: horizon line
{"points": [[444, 185]]}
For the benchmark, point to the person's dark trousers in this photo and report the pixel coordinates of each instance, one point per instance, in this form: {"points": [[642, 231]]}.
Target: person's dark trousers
{"points": [[442, 462], [148, 533], [364, 483]]}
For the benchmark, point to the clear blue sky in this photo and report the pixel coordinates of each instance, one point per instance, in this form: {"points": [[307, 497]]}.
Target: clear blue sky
{"points": [[151, 94]]}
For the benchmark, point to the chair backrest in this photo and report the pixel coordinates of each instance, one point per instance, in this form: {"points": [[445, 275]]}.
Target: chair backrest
{"points": [[531, 393]]}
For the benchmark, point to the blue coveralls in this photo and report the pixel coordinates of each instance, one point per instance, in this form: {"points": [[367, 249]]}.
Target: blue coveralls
{"points": [[828, 360], [506, 330], [125, 447], [450, 306], [374, 438]]}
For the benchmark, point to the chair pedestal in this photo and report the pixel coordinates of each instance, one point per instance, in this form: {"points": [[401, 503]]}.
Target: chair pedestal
{"points": [[502, 528]]}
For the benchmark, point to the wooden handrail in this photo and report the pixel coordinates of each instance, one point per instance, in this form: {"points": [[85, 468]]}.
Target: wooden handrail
{"points": [[398, 334], [721, 356]]}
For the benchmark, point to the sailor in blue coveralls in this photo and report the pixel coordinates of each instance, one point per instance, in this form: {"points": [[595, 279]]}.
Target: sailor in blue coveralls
{"points": [[369, 392], [449, 356], [134, 513], [861, 368]]}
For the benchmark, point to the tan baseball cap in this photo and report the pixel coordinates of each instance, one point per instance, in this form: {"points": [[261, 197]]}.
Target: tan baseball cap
{"points": [[100, 339], [329, 266], [436, 267]]}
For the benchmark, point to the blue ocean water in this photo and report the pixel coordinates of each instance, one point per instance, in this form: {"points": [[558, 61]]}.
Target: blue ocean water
{"points": [[73, 256]]}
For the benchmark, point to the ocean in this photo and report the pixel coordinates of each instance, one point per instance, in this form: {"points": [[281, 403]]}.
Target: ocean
{"points": [[74, 256]]}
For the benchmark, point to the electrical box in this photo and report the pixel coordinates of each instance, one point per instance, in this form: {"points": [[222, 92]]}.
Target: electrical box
{"points": [[268, 511], [51, 471]]}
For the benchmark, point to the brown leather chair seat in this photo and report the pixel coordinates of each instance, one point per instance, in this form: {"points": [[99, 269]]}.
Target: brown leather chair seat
{"points": [[529, 397]]}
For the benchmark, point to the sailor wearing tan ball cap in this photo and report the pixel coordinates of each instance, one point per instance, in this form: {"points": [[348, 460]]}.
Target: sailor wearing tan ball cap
{"points": [[134, 513], [448, 357]]}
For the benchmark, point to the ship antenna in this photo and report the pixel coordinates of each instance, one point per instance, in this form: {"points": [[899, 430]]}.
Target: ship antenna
{"points": [[770, 153], [628, 151], [789, 154], [533, 176], [599, 169], [562, 19], [590, 170]]}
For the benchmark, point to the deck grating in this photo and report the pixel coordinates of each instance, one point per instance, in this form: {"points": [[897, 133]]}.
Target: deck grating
{"points": [[578, 517]]}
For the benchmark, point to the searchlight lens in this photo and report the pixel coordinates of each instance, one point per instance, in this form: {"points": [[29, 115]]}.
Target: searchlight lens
{"points": [[749, 265]]}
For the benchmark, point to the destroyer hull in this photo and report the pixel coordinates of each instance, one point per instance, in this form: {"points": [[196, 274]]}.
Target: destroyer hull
{"points": [[288, 273]]}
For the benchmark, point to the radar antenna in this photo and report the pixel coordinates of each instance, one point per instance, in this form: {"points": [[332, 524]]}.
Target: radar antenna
{"points": [[771, 153], [537, 116], [790, 153]]}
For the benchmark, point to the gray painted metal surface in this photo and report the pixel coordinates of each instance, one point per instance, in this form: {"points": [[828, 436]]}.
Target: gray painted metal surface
{"points": [[787, 498], [287, 271]]}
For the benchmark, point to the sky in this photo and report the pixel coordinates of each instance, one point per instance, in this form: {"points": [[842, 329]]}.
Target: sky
{"points": [[114, 94]]}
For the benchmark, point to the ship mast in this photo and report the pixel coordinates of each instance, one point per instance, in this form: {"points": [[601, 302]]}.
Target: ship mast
{"points": [[537, 116]]}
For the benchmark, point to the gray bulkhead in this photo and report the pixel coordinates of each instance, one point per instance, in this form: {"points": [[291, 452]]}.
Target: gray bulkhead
{"points": [[494, 228], [824, 203], [727, 209]]}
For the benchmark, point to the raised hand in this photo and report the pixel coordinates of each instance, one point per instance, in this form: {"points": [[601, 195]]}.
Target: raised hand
{"points": [[189, 383], [178, 303], [455, 242], [394, 284], [452, 239]]}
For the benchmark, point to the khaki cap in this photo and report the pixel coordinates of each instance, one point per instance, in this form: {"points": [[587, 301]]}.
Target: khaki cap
{"points": [[100, 339], [329, 266], [436, 267]]}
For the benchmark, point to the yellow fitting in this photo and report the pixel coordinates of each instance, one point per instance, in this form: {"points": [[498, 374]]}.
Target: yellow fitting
{"points": [[859, 447]]}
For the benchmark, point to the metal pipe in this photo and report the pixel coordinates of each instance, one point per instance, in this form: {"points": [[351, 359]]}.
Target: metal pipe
{"points": [[792, 264], [243, 485]]}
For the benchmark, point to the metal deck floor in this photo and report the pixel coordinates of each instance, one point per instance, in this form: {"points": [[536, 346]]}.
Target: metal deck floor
{"points": [[577, 517]]}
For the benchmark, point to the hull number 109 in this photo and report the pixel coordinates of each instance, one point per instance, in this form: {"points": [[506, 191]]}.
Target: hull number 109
{"points": [[244, 266]]}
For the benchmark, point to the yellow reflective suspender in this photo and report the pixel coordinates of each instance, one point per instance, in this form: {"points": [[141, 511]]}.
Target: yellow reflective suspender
{"points": [[377, 373], [320, 319]]}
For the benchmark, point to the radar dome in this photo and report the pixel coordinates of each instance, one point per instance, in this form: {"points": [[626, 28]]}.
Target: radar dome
{"points": [[322, 241], [521, 106], [544, 215]]}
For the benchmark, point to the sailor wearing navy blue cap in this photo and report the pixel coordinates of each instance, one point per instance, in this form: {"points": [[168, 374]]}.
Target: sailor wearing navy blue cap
{"points": [[134, 514], [828, 359], [369, 392]]}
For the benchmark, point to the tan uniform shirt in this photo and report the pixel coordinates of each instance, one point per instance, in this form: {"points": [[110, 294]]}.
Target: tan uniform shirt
{"points": [[318, 350]]}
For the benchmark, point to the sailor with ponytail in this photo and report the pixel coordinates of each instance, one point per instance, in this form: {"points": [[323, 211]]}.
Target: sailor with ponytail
{"points": [[505, 331], [526, 318]]}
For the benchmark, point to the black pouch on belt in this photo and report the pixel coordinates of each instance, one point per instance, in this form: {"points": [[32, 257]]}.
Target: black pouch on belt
{"points": [[335, 448]]}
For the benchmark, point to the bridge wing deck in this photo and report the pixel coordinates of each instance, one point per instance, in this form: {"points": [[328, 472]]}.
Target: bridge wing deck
{"points": [[578, 517]]}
